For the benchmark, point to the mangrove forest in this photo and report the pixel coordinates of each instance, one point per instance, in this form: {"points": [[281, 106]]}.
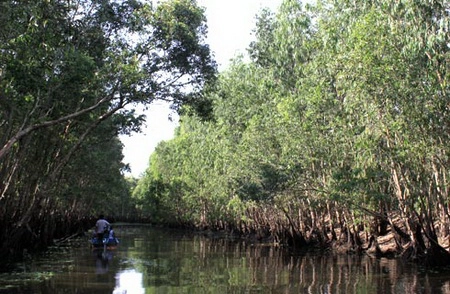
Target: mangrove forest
{"points": [[71, 75], [333, 132]]}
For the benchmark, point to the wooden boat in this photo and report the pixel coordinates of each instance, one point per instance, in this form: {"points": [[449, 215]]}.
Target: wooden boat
{"points": [[105, 244]]}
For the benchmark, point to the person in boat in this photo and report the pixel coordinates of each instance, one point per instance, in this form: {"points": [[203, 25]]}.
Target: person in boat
{"points": [[112, 240], [101, 227]]}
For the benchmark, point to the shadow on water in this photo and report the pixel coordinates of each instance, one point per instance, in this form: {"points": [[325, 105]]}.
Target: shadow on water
{"points": [[150, 260]]}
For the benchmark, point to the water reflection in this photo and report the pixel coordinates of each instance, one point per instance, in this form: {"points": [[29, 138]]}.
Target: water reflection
{"points": [[102, 260], [193, 264], [149, 260], [129, 282]]}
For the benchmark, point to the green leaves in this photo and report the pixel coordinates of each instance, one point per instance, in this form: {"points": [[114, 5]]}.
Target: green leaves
{"points": [[71, 73], [180, 29], [343, 107]]}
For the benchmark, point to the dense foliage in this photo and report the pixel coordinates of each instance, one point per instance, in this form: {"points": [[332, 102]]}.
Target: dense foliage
{"points": [[71, 73], [336, 131]]}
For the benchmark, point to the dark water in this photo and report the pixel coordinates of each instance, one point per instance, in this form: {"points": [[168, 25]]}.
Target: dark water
{"points": [[150, 260]]}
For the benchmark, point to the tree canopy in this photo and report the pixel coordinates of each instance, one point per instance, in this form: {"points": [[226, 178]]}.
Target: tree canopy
{"points": [[71, 75], [334, 131]]}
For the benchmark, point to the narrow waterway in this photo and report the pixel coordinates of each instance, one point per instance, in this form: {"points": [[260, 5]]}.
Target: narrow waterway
{"points": [[150, 260]]}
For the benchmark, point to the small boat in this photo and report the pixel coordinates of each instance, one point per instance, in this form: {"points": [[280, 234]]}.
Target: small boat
{"points": [[106, 243]]}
